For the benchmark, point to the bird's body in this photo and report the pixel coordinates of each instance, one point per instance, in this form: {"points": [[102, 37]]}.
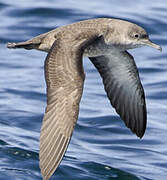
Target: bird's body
{"points": [[105, 42]]}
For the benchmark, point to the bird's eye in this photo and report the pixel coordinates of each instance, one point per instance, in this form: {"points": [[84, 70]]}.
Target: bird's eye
{"points": [[136, 35]]}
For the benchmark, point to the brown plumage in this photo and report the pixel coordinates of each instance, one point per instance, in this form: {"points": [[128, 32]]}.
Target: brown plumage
{"points": [[105, 42]]}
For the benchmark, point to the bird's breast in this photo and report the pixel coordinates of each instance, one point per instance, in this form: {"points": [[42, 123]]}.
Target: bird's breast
{"points": [[98, 48]]}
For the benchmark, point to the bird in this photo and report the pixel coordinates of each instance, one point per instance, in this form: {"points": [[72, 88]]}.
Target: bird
{"points": [[105, 42]]}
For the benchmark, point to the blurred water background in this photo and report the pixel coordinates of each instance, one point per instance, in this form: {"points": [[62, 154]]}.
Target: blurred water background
{"points": [[101, 146]]}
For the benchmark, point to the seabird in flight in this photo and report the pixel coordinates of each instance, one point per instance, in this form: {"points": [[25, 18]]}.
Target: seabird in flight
{"points": [[105, 42]]}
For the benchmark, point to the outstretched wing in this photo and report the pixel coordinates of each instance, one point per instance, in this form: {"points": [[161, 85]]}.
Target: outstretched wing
{"points": [[64, 77], [124, 89]]}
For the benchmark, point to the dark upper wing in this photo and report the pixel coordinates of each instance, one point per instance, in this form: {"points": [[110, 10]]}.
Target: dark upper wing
{"points": [[124, 89]]}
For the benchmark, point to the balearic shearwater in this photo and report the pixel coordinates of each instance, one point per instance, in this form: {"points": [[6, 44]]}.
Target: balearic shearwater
{"points": [[104, 41]]}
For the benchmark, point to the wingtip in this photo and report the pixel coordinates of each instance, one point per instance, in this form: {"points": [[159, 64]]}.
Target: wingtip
{"points": [[140, 134], [45, 176]]}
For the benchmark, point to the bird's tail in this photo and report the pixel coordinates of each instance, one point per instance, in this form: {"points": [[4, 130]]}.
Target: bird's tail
{"points": [[33, 43], [26, 45]]}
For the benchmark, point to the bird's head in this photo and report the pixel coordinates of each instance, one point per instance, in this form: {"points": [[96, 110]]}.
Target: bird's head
{"points": [[138, 37], [128, 35]]}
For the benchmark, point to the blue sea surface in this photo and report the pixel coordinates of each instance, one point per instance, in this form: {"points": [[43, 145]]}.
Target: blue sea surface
{"points": [[102, 148]]}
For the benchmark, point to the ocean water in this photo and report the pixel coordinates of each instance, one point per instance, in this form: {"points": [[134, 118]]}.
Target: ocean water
{"points": [[102, 148]]}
